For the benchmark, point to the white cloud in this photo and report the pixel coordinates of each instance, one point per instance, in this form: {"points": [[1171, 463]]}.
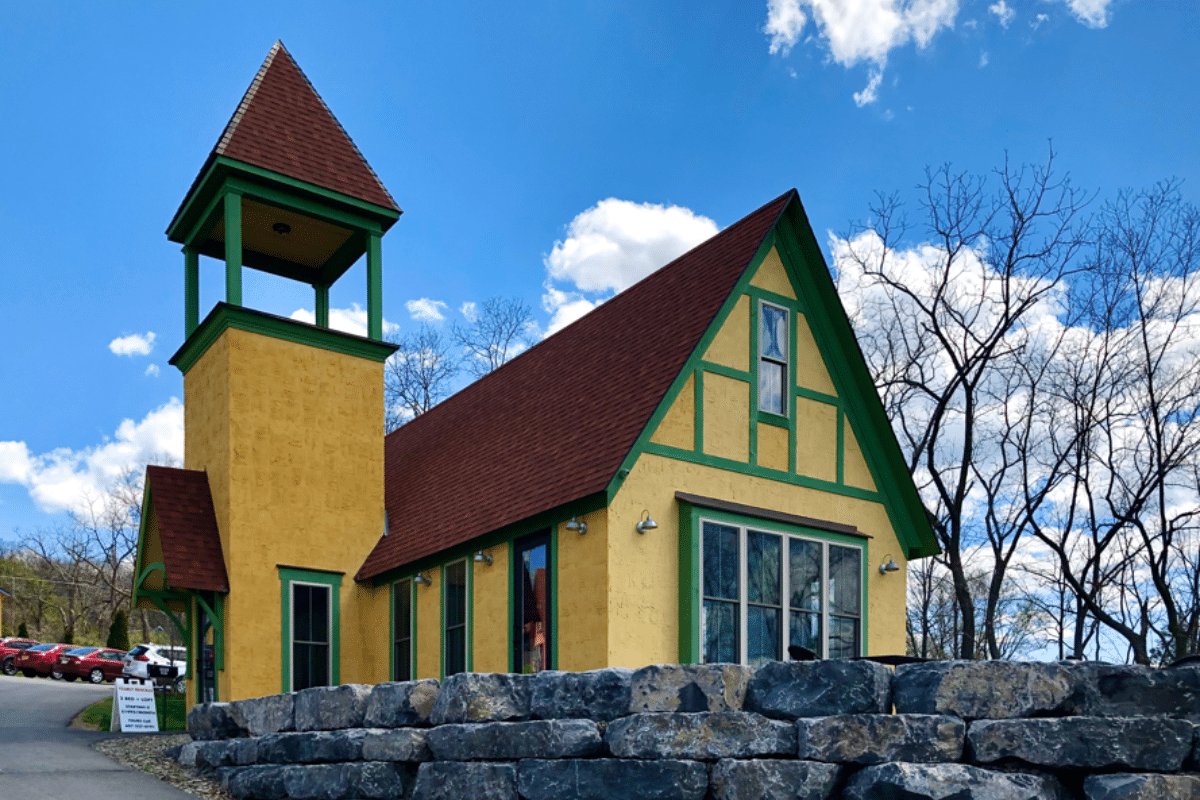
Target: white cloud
{"points": [[564, 308], [870, 92], [785, 22], [152, 371], [134, 344], [347, 320], [469, 310], [1092, 13], [983, 59], [1038, 20], [616, 243], [1004, 12], [63, 479], [426, 310]]}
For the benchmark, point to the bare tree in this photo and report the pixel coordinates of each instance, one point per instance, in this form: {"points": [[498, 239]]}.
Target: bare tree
{"points": [[417, 376], [499, 329]]}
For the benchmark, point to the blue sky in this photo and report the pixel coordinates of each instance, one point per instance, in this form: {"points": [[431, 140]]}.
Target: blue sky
{"points": [[551, 151]]}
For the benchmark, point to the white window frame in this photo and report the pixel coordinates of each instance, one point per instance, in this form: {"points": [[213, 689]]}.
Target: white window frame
{"points": [[292, 584], [466, 623], [784, 587], [785, 384]]}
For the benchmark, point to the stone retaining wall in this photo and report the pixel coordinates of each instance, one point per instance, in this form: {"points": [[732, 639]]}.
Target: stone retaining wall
{"points": [[821, 730]]}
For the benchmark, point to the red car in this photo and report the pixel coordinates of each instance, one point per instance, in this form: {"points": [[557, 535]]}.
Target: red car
{"points": [[97, 664], [8, 652], [39, 659]]}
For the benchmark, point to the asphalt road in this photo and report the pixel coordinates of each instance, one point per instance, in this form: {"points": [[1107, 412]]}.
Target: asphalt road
{"points": [[41, 757]]}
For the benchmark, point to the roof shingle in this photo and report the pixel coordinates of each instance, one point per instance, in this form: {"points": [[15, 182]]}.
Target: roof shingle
{"points": [[187, 529], [554, 424]]}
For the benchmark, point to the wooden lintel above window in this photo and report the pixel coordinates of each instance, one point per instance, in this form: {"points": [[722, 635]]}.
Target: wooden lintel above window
{"points": [[769, 514]]}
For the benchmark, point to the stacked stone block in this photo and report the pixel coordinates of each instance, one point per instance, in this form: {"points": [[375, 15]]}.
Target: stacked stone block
{"points": [[825, 730]]}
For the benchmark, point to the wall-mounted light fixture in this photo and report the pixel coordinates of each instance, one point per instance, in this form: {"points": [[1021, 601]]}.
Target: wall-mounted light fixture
{"points": [[483, 558], [646, 523], [422, 579], [889, 565], [575, 526]]}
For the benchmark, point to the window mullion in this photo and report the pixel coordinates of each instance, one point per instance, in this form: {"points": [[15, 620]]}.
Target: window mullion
{"points": [[824, 600], [743, 598], [785, 597]]}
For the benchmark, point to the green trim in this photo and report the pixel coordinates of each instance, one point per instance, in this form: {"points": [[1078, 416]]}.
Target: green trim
{"points": [[218, 626], [225, 316], [191, 290], [442, 634], [820, 397], [412, 628], [728, 372], [841, 445], [778, 420], [470, 615], [233, 248], [689, 583], [141, 578], [762, 472], [374, 286], [161, 599], [412, 587], [288, 576], [322, 306], [273, 196], [391, 590], [141, 544]]}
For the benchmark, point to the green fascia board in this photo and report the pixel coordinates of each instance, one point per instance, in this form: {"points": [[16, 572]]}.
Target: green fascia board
{"points": [[792, 236], [545, 519], [225, 316], [834, 334], [138, 560], [219, 169]]}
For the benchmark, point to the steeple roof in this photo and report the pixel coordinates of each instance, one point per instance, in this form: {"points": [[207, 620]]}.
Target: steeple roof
{"points": [[283, 125]]}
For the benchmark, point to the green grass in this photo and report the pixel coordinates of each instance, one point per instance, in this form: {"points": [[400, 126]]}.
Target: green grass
{"points": [[172, 715]]}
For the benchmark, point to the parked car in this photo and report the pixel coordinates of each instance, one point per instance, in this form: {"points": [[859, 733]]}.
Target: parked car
{"points": [[97, 664], [39, 659], [138, 660], [8, 652]]}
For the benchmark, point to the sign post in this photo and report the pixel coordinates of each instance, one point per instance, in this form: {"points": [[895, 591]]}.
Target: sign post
{"points": [[134, 709]]}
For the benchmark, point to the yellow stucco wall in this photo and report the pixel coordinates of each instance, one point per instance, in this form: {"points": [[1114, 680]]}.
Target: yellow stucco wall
{"points": [[678, 427], [816, 439], [855, 469], [726, 417], [731, 346], [583, 584], [429, 626], [291, 438], [490, 621], [772, 276], [810, 366], [772, 447]]}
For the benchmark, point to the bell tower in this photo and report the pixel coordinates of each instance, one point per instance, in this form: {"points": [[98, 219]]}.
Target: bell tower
{"points": [[284, 417]]}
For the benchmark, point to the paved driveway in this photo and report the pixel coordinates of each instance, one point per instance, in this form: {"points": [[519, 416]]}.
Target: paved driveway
{"points": [[41, 757]]}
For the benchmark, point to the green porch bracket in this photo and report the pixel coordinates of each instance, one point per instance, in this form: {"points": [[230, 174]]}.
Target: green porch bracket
{"points": [[191, 290], [137, 584], [233, 248], [374, 286], [322, 305], [159, 599], [218, 626]]}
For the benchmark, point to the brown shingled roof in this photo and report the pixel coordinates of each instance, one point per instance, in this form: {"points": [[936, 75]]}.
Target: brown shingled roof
{"points": [[283, 125], [187, 528], [554, 424]]}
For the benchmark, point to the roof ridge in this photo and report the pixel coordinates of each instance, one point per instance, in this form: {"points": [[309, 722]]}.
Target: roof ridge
{"points": [[248, 97]]}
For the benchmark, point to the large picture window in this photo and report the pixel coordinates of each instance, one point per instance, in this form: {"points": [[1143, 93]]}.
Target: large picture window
{"points": [[774, 345], [454, 639], [763, 591], [402, 630]]}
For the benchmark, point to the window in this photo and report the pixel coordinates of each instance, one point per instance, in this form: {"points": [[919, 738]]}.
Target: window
{"points": [[454, 611], [532, 603], [763, 591], [773, 348], [402, 630], [311, 650]]}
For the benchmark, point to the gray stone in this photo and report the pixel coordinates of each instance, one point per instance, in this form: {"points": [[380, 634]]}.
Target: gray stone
{"points": [[509, 741], [948, 782], [793, 689], [400, 704], [383, 780], [263, 715], [226, 753], [689, 687], [771, 779], [599, 695], [187, 753], [1150, 743], [458, 781], [703, 737], [1193, 763], [609, 778], [311, 747], [209, 721], [877, 738], [982, 689], [1108, 690], [259, 783], [395, 744], [1142, 787], [328, 708], [483, 697]]}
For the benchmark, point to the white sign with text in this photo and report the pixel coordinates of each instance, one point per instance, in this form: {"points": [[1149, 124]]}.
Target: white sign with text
{"points": [[134, 710]]}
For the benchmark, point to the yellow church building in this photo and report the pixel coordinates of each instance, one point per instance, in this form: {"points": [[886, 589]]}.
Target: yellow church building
{"points": [[699, 470]]}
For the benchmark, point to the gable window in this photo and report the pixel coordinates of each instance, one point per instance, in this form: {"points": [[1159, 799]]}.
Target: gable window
{"points": [[454, 612], [402, 630], [773, 349], [763, 591]]}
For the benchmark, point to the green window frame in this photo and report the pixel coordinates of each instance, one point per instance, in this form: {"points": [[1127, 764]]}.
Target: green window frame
{"points": [[404, 630], [290, 577], [456, 628]]}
